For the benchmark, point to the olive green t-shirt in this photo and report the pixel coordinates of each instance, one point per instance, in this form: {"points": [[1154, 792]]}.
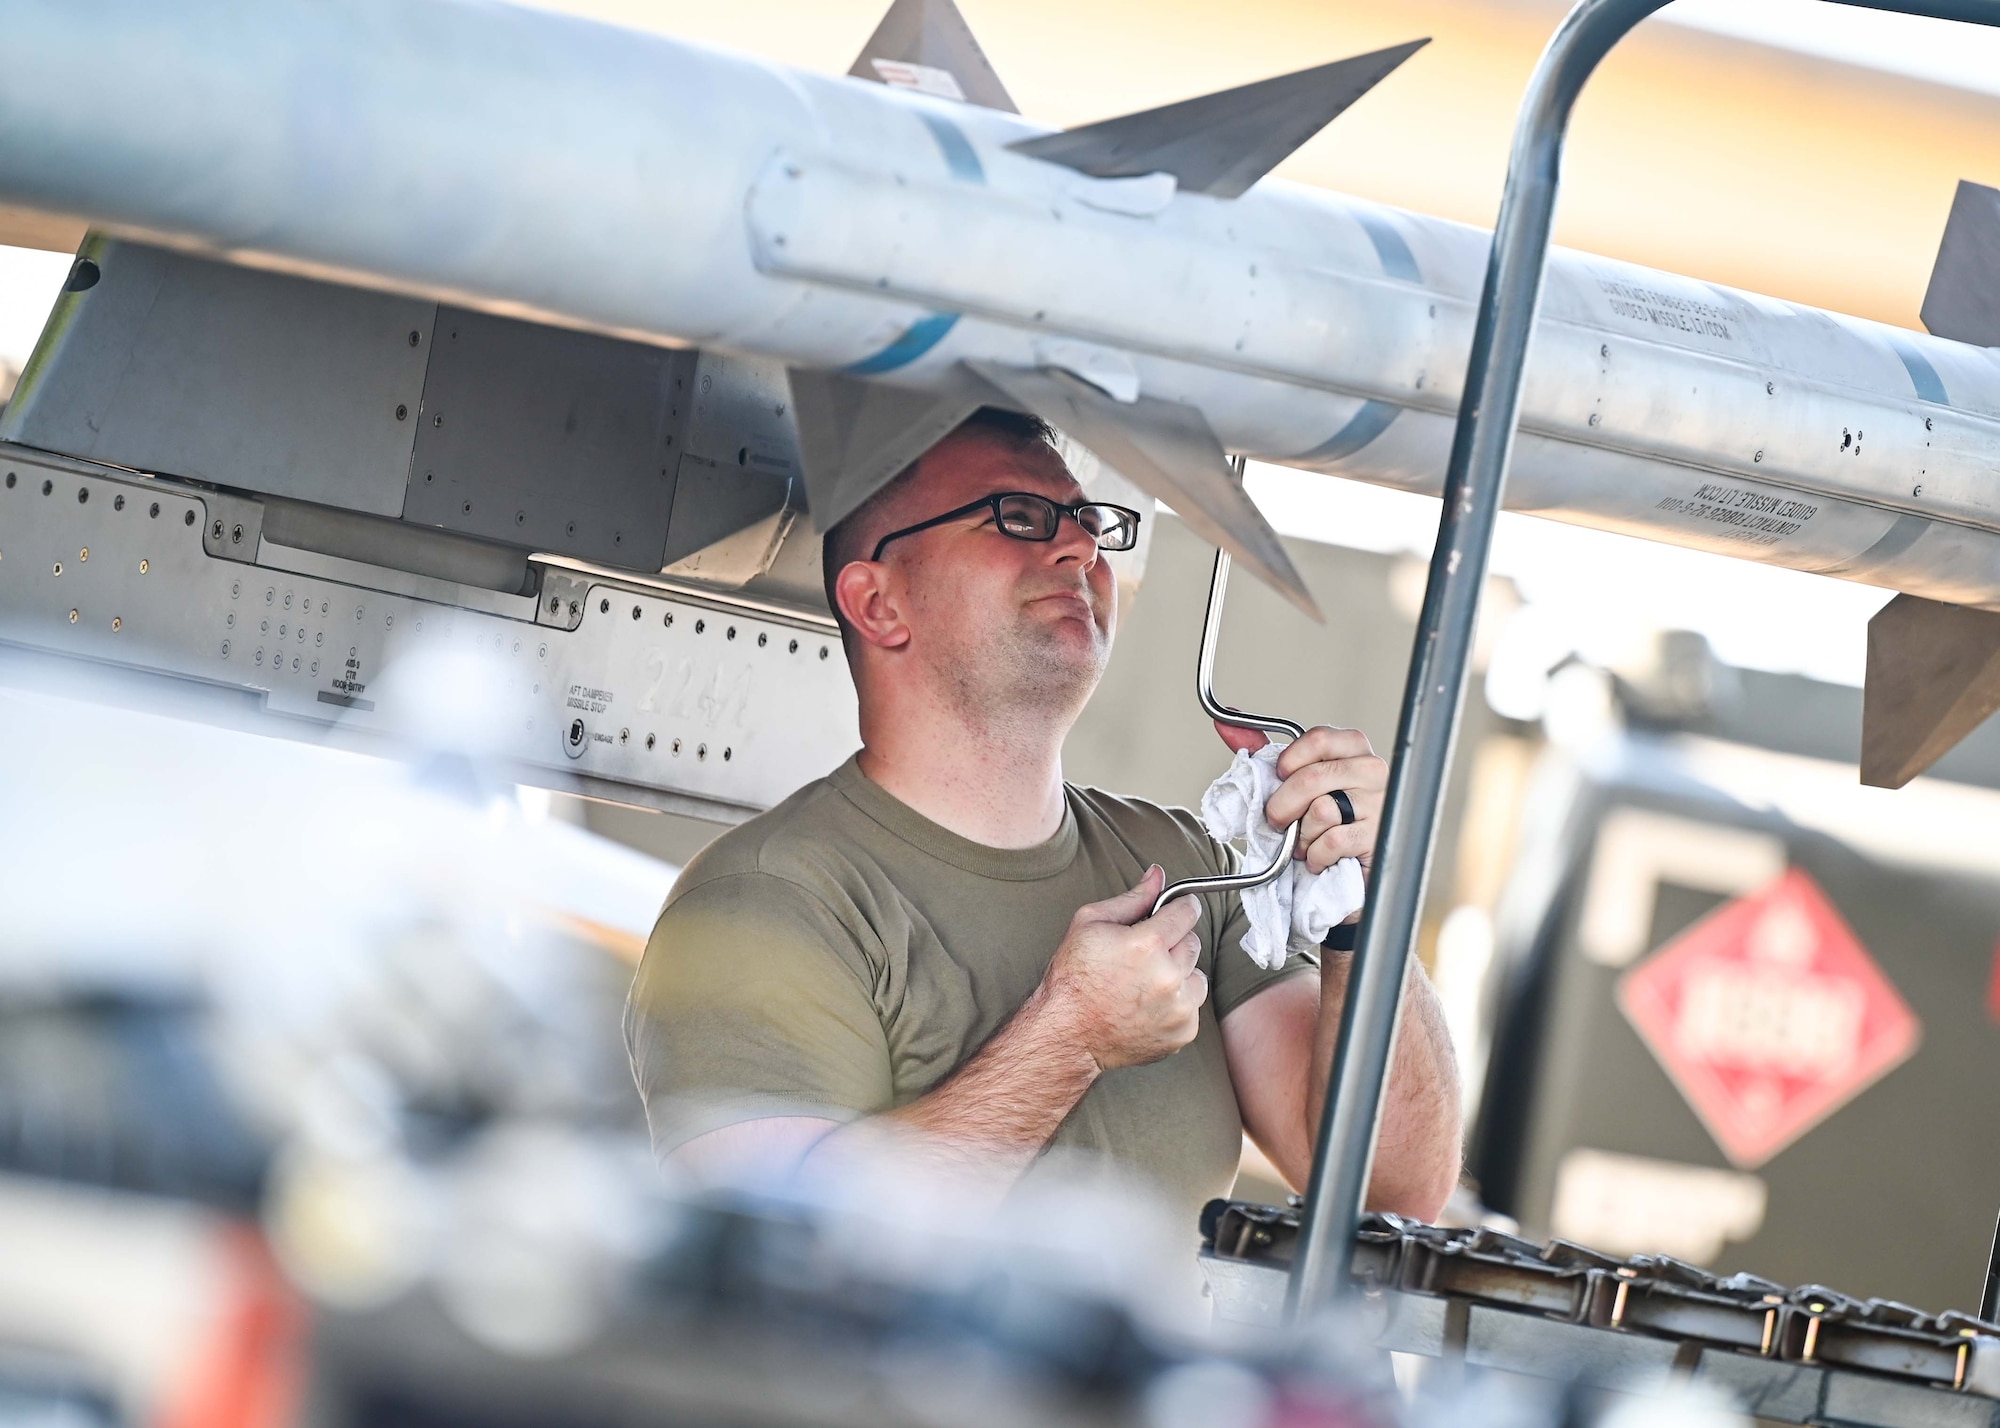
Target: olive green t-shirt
{"points": [[841, 954]]}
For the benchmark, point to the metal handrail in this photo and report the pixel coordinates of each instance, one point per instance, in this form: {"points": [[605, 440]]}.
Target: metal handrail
{"points": [[1481, 446], [1204, 690]]}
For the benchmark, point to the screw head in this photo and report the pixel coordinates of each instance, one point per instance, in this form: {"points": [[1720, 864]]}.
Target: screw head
{"points": [[402, 412], [603, 607], [144, 565], [188, 519], [117, 623]]}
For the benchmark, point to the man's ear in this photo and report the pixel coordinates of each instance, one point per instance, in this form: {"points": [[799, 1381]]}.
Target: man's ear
{"points": [[870, 597]]}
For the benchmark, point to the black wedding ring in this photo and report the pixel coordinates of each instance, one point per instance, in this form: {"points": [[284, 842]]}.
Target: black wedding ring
{"points": [[1346, 806]]}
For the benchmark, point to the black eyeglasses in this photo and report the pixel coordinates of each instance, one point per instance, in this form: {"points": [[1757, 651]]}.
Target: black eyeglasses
{"points": [[1026, 516]]}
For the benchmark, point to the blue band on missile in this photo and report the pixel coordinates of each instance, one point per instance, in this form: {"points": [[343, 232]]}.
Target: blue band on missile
{"points": [[1923, 376], [917, 339], [959, 155], [1397, 259], [926, 332], [1900, 536], [1363, 427]]}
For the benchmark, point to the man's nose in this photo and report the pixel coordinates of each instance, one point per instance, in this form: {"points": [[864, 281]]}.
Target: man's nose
{"points": [[1072, 541]]}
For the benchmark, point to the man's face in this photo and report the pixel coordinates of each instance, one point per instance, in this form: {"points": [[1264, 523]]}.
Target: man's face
{"points": [[1003, 622]]}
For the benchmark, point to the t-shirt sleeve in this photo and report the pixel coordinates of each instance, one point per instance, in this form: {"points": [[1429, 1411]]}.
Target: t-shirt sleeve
{"points": [[1236, 978], [753, 1000]]}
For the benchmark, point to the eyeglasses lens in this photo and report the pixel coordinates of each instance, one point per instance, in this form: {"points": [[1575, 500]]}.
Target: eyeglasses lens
{"points": [[1028, 517], [1112, 527]]}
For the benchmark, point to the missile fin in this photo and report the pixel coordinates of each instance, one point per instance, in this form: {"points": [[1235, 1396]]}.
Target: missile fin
{"points": [[926, 45], [1167, 449], [855, 435], [1963, 300], [1221, 144], [1933, 677]]}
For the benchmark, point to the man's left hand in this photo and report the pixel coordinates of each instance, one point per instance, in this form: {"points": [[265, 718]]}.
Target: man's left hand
{"points": [[1312, 767]]}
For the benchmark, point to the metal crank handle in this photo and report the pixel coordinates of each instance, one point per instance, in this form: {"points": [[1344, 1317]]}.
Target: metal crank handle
{"points": [[1233, 882], [1211, 628]]}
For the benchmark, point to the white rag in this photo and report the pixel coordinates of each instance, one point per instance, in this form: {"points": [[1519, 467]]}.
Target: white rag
{"points": [[1294, 911]]}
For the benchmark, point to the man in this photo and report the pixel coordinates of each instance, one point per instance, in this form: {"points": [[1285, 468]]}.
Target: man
{"points": [[944, 943]]}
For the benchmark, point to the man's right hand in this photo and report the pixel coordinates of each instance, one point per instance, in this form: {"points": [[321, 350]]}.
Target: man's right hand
{"points": [[1127, 983]]}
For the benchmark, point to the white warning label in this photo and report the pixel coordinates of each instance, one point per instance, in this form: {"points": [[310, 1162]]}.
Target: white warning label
{"points": [[923, 78]]}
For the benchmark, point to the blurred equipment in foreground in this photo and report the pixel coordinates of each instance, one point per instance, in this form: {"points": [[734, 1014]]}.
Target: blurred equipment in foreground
{"points": [[870, 1303], [277, 1025]]}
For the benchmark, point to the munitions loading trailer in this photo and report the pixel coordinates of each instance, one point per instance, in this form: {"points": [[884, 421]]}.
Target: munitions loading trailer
{"points": [[271, 488]]}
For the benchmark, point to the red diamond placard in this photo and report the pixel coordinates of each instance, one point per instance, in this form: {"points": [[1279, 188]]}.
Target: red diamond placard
{"points": [[1769, 1015]]}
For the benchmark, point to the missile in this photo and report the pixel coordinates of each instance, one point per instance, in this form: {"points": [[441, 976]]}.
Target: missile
{"points": [[910, 248]]}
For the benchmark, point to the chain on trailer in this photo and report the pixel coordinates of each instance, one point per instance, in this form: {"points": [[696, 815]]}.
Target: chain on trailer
{"points": [[1562, 1311]]}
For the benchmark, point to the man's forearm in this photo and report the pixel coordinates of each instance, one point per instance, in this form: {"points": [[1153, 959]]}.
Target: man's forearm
{"points": [[1417, 1146], [993, 1115]]}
